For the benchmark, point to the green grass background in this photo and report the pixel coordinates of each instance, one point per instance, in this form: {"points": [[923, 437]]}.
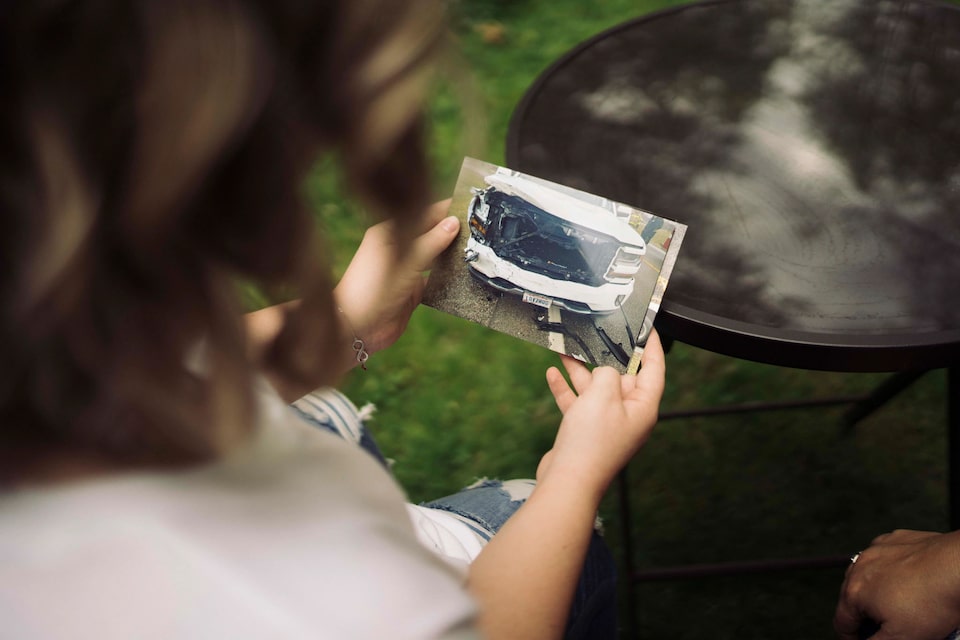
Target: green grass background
{"points": [[457, 401]]}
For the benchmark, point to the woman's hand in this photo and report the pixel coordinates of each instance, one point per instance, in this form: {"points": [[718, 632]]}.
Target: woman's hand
{"points": [[606, 418], [525, 577], [377, 294], [907, 582]]}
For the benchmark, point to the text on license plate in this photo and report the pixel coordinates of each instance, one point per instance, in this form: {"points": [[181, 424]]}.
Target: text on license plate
{"points": [[540, 301]]}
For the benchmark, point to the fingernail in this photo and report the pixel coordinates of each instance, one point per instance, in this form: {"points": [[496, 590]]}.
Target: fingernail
{"points": [[450, 224]]}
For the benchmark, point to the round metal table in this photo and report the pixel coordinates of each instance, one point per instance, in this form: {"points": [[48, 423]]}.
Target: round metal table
{"points": [[813, 150], [812, 147]]}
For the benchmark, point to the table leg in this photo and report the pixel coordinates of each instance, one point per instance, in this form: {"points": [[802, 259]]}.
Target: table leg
{"points": [[879, 396], [953, 444], [626, 543]]}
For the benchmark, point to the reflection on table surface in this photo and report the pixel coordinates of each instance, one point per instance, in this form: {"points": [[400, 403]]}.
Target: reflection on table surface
{"points": [[812, 147]]}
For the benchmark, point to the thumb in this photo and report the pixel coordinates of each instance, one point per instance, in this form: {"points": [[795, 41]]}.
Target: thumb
{"points": [[431, 244]]}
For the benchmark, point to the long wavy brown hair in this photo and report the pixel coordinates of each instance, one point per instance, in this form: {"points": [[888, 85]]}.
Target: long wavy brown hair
{"points": [[152, 155]]}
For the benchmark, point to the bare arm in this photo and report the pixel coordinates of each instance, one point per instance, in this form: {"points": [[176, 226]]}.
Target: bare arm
{"points": [[525, 577]]}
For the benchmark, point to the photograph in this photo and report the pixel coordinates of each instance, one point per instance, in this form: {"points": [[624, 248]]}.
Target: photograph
{"points": [[574, 272]]}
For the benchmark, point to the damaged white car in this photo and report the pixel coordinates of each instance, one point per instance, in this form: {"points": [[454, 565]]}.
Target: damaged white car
{"points": [[552, 249]]}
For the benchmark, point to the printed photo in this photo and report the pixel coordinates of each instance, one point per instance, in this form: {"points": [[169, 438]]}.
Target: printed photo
{"points": [[574, 272]]}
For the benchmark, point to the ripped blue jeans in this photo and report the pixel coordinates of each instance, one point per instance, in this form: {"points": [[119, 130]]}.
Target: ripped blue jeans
{"points": [[490, 503], [487, 504]]}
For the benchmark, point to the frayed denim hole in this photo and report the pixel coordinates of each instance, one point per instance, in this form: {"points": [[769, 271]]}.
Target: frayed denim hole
{"points": [[483, 483], [489, 528]]}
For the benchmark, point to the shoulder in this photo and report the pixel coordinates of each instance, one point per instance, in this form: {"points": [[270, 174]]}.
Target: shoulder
{"points": [[297, 541]]}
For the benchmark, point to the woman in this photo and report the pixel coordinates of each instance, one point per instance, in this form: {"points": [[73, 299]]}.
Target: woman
{"points": [[156, 484]]}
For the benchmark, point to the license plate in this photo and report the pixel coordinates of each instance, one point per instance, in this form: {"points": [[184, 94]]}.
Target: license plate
{"points": [[540, 301]]}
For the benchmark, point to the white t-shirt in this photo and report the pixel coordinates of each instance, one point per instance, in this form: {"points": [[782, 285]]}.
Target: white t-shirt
{"points": [[297, 535]]}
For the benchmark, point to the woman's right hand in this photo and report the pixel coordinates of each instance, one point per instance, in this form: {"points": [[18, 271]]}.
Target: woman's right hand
{"points": [[607, 417], [525, 577]]}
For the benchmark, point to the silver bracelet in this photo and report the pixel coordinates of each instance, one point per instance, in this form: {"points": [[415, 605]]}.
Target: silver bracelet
{"points": [[358, 344]]}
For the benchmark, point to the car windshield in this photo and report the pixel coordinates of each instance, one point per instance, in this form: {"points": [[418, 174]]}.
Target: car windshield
{"points": [[536, 240]]}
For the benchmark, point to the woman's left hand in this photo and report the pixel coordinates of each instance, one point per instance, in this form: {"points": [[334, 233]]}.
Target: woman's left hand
{"points": [[378, 294]]}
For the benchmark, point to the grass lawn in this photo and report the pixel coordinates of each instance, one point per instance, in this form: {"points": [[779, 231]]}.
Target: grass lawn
{"points": [[457, 401]]}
